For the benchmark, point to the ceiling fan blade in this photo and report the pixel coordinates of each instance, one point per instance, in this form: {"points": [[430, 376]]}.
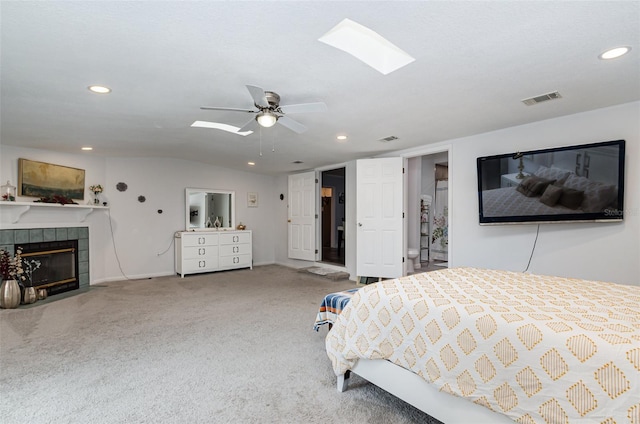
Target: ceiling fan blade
{"points": [[304, 108], [291, 124], [258, 95], [231, 109], [252, 125]]}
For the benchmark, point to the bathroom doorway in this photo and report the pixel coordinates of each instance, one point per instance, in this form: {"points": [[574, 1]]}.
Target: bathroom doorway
{"points": [[428, 212], [333, 198]]}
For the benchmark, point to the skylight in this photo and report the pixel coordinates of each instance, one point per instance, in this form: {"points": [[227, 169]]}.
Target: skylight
{"points": [[367, 45], [219, 126]]}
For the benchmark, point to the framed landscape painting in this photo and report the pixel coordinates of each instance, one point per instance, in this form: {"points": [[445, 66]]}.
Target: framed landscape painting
{"points": [[41, 179]]}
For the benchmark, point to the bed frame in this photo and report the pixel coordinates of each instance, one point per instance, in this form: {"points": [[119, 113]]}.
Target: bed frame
{"points": [[412, 389]]}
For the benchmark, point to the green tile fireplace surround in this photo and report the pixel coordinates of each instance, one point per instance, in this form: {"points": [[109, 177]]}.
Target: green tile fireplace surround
{"points": [[10, 238]]}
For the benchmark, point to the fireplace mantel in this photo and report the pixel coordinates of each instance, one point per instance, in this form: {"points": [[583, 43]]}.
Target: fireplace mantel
{"points": [[15, 212]]}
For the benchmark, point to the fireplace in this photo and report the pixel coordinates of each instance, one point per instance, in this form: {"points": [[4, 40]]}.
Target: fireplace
{"points": [[58, 269]]}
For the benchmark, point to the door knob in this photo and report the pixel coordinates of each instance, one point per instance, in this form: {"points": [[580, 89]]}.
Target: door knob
{"points": [[288, 220], [359, 224]]}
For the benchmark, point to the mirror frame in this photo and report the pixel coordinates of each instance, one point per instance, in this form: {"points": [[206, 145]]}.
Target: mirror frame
{"points": [[190, 191]]}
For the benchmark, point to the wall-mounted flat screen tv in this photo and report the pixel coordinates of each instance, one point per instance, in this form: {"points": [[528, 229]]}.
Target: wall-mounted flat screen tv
{"points": [[565, 184]]}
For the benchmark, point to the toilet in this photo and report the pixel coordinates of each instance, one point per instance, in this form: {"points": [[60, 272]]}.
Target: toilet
{"points": [[412, 254]]}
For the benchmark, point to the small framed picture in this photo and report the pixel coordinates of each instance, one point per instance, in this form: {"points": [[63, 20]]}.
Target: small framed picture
{"points": [[252, 200]]}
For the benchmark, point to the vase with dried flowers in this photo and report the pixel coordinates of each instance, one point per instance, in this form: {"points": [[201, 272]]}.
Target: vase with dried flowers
{"points": [[30, 293], [11, 271], [96, 189]]}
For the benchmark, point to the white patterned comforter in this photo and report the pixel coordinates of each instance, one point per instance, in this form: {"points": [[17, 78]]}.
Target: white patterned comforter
{"points": [[538, 349]]}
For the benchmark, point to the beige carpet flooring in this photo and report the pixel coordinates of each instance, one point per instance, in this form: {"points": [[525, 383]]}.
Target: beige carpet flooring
{"points": [[228, 347]]}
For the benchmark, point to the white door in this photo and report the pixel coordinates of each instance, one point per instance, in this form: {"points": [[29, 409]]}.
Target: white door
{"points": [[379, 218], [302, 216]]}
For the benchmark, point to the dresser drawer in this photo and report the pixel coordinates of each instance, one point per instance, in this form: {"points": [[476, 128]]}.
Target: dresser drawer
{"points": [[235, 249], [196, 239], [235, 261], [235, 238], [201, 252], [199, 265]]}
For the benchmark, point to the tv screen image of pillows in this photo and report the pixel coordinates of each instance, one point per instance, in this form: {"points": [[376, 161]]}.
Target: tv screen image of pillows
{"points": [[597, 195], [559, 195], [551, 195], [533, 186], [553, 173]]}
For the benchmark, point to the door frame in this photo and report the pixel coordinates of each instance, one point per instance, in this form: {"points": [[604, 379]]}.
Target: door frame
{"points": [[426, 151], [319, 171]]}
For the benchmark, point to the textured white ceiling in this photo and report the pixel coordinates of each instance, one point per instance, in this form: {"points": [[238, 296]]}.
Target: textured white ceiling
{"points": [[475, 62]]}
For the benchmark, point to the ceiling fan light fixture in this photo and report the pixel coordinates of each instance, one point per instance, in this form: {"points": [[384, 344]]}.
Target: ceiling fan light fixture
{"points": [[266, 119]]}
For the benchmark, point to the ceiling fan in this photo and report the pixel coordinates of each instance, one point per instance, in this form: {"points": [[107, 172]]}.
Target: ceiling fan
{"points": [[269, 111]]}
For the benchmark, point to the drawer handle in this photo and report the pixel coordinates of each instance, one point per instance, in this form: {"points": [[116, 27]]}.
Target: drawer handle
{"points": [[202, 251], [236, 249], [236, 260], [202, 264]]}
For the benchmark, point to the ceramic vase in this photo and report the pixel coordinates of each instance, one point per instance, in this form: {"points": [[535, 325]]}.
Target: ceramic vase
{"points": [[9, 294], [30, 295], [42, 294]]}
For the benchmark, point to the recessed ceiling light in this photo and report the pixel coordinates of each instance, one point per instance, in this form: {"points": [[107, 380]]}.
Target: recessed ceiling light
{"points": [[251, 163], [99, 89], [367, 45], [614, 53], [219, 126], [87, 148], [341, 137]]}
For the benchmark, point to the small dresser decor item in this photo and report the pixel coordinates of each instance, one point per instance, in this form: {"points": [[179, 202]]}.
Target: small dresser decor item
{"points": [[241, 226], [8, 192], [96, 190]]}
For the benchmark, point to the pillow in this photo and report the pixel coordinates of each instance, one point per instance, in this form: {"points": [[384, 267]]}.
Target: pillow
{"points": [[533, 186], [571, 198], [553, 173], [597, 195], [551, 195]]}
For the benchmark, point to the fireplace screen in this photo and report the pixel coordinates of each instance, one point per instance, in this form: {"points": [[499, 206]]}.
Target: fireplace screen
{"points": [[58, 269]]}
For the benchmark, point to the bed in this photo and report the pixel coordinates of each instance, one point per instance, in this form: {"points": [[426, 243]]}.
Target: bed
{"points": [[476, 345]]}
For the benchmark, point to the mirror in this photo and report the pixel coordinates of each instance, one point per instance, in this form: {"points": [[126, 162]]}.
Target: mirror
{"points": [[206, 207]]}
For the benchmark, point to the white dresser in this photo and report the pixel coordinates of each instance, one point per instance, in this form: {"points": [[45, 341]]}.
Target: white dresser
{"points": [[207, 251]]}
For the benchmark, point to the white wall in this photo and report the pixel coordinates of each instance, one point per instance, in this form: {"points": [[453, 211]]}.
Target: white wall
{"points": [[596, 251], [599, 251], [143, 237]]}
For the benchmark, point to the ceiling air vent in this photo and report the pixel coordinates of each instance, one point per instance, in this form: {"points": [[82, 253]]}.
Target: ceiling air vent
{"points": [[387, 139], [542, 98]]}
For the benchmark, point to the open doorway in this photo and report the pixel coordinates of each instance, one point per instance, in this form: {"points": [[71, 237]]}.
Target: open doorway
{"points": [[333, 199], [428, 212]]}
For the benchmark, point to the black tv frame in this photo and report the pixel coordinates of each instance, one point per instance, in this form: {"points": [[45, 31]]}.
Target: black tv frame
{"points": [[608, 215]]}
